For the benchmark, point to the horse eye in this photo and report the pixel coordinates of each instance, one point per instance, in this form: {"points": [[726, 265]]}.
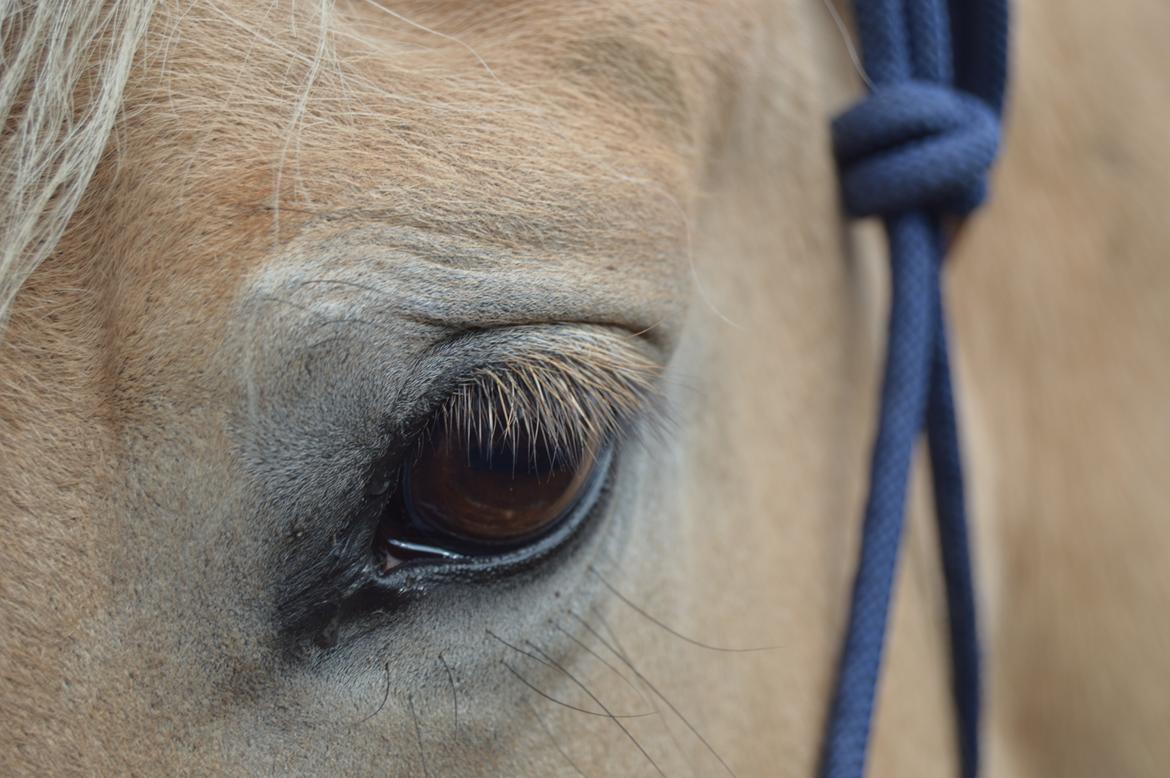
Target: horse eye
{"points": [[462, 496]]}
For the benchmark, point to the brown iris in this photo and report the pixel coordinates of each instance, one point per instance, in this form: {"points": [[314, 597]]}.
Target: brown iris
{"points": [[460, 493]]}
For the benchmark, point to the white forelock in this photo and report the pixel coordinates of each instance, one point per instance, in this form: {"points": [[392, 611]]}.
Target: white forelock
{"points": [[65, 64]]}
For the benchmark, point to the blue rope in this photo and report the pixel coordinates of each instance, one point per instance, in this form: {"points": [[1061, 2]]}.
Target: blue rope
{"points": [[915, 150]]}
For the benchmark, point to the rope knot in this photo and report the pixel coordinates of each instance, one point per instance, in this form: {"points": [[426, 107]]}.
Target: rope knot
{"points": [[915, 145]]}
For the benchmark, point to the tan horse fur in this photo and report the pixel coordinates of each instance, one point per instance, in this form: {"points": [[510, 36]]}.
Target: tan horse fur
{"points": [[656, 167]]}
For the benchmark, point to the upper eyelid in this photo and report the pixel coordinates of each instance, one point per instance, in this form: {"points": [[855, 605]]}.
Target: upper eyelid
{"points": [[313, 423], [375, 274], [586, 388]]}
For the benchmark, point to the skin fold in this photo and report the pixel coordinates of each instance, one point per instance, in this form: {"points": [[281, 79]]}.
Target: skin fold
{"points": [[307, 226]]}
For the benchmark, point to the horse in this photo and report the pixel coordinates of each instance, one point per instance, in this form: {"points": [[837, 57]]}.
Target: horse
{"points": [[295, 293]]}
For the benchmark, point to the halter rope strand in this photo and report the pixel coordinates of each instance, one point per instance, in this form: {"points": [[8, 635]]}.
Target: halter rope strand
{"points": [[916, 150]]}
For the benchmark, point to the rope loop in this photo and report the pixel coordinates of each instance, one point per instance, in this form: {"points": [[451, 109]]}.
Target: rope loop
{"points": [[915, 145]]}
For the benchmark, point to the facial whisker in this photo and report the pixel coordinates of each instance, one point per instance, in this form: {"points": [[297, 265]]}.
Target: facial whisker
{"points": [[601, 659], [666, 628], [544, 725], [620, 653], [381, 705], [651, 699], [564, 704], [518, 650], [418, 736], [594, 697], [454, 691]]}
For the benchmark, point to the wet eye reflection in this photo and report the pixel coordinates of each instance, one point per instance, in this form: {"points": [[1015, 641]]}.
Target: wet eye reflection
{"points": [[462, 496]]}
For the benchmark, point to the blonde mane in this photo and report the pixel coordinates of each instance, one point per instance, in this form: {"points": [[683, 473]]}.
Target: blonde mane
{"points": [[65, 64]]}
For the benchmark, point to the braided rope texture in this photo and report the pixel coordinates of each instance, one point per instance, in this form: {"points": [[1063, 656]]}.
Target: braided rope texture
{"points": [[916, 150]]}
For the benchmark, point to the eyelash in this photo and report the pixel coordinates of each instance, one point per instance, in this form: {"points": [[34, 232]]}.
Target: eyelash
{"points": [[565, 398]]}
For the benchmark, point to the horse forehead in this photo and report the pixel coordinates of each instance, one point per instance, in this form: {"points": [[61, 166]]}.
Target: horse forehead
{"points": [[594, 90], [575, 155]]}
